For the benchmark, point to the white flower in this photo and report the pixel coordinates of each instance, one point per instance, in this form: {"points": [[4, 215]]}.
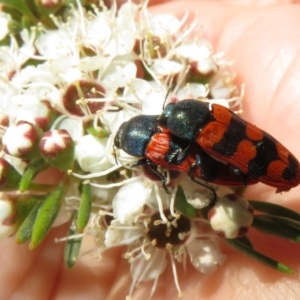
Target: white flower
{"points": [[35, 112], [193, 91], [205, 255], [231, 216], [164, 67], [13, 57], [112, 35], [117, 234], [90, 153], [73, 126], [163, 25], [54, 44], [130, 199], [118, 74], [195, 51]]}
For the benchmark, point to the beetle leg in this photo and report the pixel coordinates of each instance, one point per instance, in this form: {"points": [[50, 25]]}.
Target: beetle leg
{"points": [[140, 162], [160, 175], [242, 175], [184, 153], [153, 167]]}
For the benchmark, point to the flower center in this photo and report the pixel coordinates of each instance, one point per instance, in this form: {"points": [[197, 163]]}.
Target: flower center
{"points": [[174, 232]]}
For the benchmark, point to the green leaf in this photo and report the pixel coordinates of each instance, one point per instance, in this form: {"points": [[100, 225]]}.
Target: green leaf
{"points": [[24, 232], [266, 225], [274, 209], [21, 7], [85, 207], [14, 26], [34, 167], [9, 176], [283, 220], [101, 133], [266, 260], [24, 206], [46, 215], [72, 246], [245, 240], [25, 21], [183, 206]]}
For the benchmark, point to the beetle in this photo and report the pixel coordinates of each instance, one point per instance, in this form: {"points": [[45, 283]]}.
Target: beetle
{"points": [[159, 147], [230, 139]]}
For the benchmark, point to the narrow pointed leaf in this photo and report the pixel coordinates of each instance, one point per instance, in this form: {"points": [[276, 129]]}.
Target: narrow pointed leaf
{"points": [[268, 226], [24, 232], [85, 207], [46, 216], [183, 206], [274, 209], [72, 246], [24, 206], [9, 176], [283, 220], [245, 240], [266, 260], [35, 166]]}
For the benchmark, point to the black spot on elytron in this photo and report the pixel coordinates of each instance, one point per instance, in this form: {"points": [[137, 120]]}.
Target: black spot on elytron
{"points": [[235, 133], [290, 172], [266, 152]]}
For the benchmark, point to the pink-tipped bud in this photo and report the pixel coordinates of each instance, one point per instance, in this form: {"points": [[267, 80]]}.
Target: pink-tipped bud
{"points": [[231, 216], [57, 148], [21, 140], [39, 113], [7, 217]]}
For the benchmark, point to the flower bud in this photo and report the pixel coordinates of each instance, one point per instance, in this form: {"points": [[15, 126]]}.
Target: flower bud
{"points": [[7, 218], [36, 112], [47, 7], [21, 140], [231, 216], [57, 148]]}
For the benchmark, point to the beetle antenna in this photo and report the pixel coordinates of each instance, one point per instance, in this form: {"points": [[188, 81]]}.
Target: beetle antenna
{"points": [[167, 95]]}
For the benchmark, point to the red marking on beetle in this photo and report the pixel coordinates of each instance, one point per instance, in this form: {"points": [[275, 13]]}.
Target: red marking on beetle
{"points": [[283, 153], [221, 114], [245, 152], [211, 134], [254, 133], [159, 146]]}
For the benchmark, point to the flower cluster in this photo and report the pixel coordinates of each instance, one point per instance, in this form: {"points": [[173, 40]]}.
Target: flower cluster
{"points": [[65, 92]]}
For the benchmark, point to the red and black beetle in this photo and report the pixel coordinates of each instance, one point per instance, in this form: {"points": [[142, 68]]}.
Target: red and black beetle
{"points": [[158, 147], [230, 139]]}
